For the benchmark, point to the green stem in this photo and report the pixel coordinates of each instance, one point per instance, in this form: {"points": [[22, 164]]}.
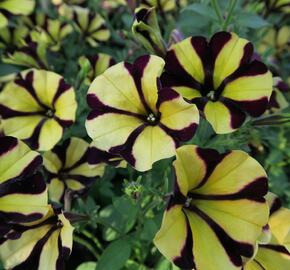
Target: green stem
{"points": [[88, 246], [230, 13], [217, 9], [94, 239]]}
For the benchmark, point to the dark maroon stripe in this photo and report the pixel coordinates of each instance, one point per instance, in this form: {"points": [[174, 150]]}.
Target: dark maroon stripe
{"points": [[253, 191], [61, 151], [62, 87], [33, 260], [254, 108], [33, 185], [275, 206], [273, 102], [166, 94], [15, 217], [211, 158], [97, 156], [27, 84], [248, 54], [137, 71], [6, 113], [176, 75], [63, 123], [33, 140], [218, 41], [7, 144], [100, 109], [93, 60], [125, 150], [186, 259], [238, 117], [283, 87], [181, 135], [235, 250], [277, 248]]}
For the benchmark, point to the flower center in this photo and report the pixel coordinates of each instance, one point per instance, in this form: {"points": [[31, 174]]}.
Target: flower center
{"points": [[211, 95], [187, 202], [49, 113], [59, 224], [151, 118]]}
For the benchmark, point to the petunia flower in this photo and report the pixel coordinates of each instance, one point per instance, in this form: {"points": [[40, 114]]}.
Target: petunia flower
{"points": [[49, 31], [15, 7], [23, 194], [136, 118], [277, 6], [98, 64], [278, 101], [220, 77], [68, 169], [11, 37], [42, 245], [91, 26], [165, 5], [217, 211], [36, 107], [275, 254], [146, 30], [31, 55]]}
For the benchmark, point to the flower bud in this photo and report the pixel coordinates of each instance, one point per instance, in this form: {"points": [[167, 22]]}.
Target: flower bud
{"points": [[146, 30]]}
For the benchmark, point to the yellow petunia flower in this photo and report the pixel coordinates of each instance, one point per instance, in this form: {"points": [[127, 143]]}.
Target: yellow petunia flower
{"points": [[220, 77], [275, 254], [135, 117], [15, 7], [36, 107], [23, 194], [217, 211], [68, 168], [42, 245]]}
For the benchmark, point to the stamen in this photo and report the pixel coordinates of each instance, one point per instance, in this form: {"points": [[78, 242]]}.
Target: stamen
{"points": [[188, 201], [211, 95], [151, 118], [49, 113]]}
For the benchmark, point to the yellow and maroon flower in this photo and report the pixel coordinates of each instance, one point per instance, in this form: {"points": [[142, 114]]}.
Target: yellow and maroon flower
{"points": [[220, 77], [14, 7], [92, 26], [68, 168], [278, 101], [36, 107], [218, 207], [274, 254], [42, 245], [134, 117], [23, 194], [165, 5], [98, 64]]}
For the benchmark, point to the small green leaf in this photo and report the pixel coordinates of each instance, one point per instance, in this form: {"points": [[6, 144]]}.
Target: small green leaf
{"points": [[87, 266], [115, 255], [251, 21]]}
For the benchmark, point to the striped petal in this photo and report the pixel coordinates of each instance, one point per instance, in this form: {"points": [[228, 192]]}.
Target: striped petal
{"points": [[44, 245], [220, 77], [68, 168], [125, 119], [23, 197], [210, 187], [177, 116], [274, 255], [43, 107]]}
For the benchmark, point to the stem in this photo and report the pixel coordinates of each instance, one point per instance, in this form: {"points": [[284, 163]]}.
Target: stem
{"points": [[87, 245], [230, 13], [91, 236], [217, 9]]}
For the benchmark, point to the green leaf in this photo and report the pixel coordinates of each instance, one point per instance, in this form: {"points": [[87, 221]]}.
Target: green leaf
{"points": [[251, 21], [87, 266], [202, 9], [115, 255]]}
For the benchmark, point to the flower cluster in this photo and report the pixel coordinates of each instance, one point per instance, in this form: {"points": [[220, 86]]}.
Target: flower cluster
{"points": [[59, 137]]}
